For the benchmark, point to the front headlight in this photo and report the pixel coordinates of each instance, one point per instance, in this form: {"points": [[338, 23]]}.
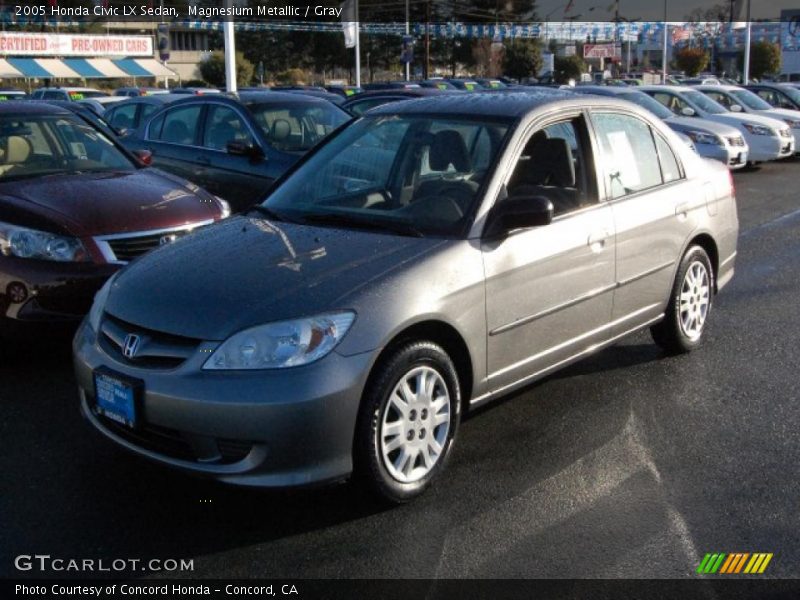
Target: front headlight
{"points": [[759, 129], [99, 304], [701, 137], [225, 208], [793, 123], [30, 243], [282, 344]]}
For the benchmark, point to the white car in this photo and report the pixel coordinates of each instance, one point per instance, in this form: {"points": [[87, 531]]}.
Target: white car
{"points": [[737, 99], [767, 138]]}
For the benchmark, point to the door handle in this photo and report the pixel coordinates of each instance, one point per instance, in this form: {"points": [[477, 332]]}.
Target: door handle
{"points": [[682, 210], [203, 160], [597, 239]]}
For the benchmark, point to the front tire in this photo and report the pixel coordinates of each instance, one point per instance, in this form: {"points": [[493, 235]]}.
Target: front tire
{"points": [[689, 305], [408, 421]]}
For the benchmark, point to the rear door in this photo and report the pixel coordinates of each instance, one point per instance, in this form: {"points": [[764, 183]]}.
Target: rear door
{"points": [[654, 208], [174, 139]]}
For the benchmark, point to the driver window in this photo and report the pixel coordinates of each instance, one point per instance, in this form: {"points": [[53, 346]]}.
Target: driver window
{"points": [[224, 125], [553, 164], [721, 98]]}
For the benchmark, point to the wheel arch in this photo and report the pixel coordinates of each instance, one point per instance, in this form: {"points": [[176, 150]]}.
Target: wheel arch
{"points": [[443, 334], [707, 243]]}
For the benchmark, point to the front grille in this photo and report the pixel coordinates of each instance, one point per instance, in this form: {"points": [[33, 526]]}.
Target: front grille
{"points": [[786, 133], [123, 248], [153, 438], [736, 141], [172, 443], [156, 350]]}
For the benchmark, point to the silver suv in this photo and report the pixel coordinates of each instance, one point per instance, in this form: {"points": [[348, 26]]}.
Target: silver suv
{"points": [[430, 257]]}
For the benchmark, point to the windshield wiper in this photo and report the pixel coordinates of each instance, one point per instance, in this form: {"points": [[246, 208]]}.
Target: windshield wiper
{"points": [[364, 222]]}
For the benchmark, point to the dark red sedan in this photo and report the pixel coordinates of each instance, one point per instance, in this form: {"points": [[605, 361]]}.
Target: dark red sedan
{"points": [[74, 207]]}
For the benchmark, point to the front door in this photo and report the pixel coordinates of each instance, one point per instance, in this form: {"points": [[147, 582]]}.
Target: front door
{"points": [[549, 289]]}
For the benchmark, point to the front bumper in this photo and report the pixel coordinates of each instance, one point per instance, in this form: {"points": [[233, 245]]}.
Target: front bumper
{"points": [[734, 157], [280, 428], [766, 147], [40, 291]]}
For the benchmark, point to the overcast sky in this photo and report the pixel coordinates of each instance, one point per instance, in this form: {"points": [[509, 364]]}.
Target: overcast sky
{"points": [[653, 10]]}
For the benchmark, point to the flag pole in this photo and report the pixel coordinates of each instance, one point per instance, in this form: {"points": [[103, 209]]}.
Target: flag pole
{"points": [[358, 48], [666, 42]]}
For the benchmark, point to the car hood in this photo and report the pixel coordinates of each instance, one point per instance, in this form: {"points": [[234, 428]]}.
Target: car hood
{"points": [[736, 119], [248, 271], [697, 124], [116, 202], [780, 114]]}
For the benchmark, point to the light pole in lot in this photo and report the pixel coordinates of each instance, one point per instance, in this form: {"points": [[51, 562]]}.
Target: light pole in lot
{"points": [[230, 51], [666, 43], [747, 35]]}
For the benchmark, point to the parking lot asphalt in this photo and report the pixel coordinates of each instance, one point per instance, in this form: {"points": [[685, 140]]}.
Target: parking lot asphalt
{"points": [[628, 464]]}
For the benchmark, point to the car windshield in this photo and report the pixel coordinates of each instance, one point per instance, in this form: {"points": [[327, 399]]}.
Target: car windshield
{"points": [[704, 102], [36, 145], [792, 92], [750, 100], [291, 127], [413, 175], [651, 104]]}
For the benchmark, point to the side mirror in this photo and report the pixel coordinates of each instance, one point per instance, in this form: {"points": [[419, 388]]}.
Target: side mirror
{"points": [[519, 212], [688, 111], [145, 157], [238, 148], [736, 108]]}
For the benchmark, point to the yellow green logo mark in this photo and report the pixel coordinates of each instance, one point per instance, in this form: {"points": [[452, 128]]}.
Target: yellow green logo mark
{"points": [[734, 563]]}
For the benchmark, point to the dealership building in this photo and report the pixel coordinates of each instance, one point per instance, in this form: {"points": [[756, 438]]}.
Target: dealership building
{"points": [[127, 51]]}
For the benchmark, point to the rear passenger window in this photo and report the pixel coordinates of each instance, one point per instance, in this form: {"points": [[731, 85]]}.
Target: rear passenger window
{"points": [[629, 154], [123, 117], [670, 170], [180, 125], [224, 125]]}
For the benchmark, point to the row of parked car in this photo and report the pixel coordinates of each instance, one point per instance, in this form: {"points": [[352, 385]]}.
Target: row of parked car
{"points": [[221, 154]]}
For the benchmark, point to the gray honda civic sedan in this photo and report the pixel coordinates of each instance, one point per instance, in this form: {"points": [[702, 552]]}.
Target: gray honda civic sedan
{"points": [[430, 257]]}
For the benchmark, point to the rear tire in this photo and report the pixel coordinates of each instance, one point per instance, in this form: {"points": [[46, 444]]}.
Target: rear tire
{"points": [[689, 305], [408, 422]]}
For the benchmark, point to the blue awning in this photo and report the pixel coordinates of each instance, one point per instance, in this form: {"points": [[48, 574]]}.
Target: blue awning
{"points": [[83, 68], [131, 67], [28, 67]]}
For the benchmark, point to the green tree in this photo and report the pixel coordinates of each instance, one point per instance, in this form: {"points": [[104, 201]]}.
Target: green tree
{"points": [[569, 67], [691, 60], [522, 58], [764, 58], [213, 69]]}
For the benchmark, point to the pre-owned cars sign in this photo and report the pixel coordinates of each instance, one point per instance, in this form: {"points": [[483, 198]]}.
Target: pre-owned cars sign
{"points": [[601, 51], [54, 44]]}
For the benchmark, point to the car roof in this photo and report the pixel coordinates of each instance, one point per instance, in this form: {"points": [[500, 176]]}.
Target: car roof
{"points": [[15, 107], [666, 88], [491, 104], [276, 97]]}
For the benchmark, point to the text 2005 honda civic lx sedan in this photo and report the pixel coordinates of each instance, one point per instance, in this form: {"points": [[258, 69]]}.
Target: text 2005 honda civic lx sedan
{"points": [[431, 256]]}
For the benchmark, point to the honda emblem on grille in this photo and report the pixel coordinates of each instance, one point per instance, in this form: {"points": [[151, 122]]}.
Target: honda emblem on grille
{"points": [[131, 345], [167, 239]]}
